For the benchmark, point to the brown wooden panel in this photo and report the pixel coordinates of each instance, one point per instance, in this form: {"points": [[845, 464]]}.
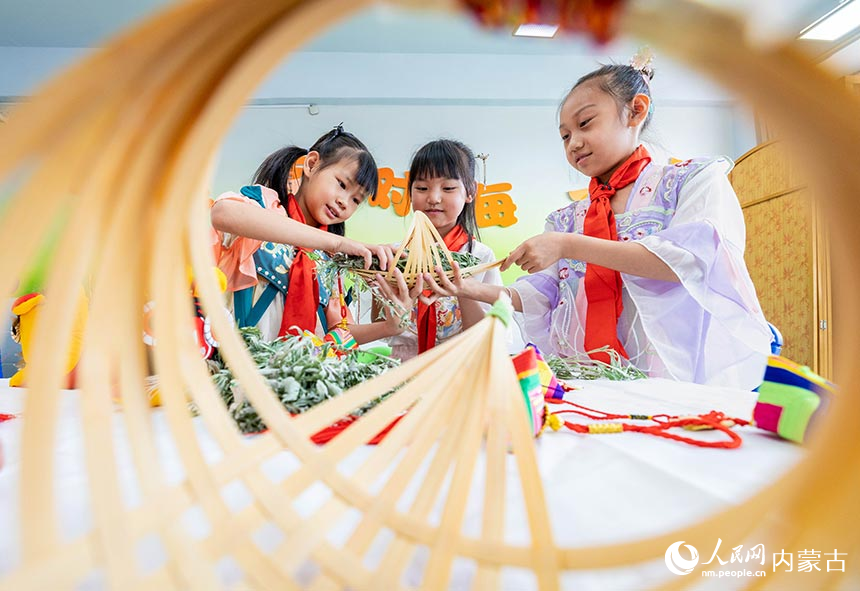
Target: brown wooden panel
{"points": [[779, 256], [763, 172]]}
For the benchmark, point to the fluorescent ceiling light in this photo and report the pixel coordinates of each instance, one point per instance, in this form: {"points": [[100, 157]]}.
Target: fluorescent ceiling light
{"points": [[835, 23], [536, 30]]}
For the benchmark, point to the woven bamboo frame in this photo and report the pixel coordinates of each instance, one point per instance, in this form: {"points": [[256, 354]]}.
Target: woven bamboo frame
{"points": [[421, 256], [113, 144]]}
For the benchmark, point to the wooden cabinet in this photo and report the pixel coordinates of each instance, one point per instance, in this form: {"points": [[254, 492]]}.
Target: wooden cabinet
{"points": [[787, 253]]}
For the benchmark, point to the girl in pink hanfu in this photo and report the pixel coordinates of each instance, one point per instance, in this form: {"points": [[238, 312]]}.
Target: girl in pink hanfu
{"points": [[267, 239]]}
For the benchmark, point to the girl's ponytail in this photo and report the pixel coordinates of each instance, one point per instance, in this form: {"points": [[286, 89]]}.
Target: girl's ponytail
{"points": [[622, 83]]}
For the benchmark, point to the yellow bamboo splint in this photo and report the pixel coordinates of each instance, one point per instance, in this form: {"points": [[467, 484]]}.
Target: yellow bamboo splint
{"points": [[424, 249], [121, 144]]}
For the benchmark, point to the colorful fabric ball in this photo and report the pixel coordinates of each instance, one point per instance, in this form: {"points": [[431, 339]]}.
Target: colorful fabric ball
{"points": [[526, 366], [552, 389], [791, 398]]}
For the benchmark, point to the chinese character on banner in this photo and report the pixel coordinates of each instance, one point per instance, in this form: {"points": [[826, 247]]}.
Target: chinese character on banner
{"points": [[836, 558], [388, 195], [807, 560], [494, 207], [752, 553], [736, 554], [782, 560]]}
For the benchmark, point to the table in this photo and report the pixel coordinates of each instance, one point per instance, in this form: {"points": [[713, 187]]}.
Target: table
{"points": [[601, 489]]}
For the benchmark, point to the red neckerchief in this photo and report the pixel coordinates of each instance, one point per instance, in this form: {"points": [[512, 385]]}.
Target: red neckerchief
{"points": [[602, 285], [454, 240], [303, 291]]}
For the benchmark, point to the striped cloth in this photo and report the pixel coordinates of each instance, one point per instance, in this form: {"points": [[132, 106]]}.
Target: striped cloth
{"points": [[526, 366], [790, 399]]}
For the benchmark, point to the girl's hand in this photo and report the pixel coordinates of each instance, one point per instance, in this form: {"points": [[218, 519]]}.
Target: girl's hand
{"points": [[440, 285], [381, 251], [536, 253], [399, 300]]}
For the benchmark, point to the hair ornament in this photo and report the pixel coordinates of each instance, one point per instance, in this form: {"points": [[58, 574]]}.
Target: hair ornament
{"points": [[642, 62]]}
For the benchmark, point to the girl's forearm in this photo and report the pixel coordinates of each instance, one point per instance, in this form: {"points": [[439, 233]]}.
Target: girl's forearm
{"points": [[625, 257], [366, 333], [487, 293], [471, 312], [255, 222]]}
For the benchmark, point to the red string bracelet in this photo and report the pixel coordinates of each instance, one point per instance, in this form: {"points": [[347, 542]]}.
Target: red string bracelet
{"points": [[663, 423], [342, 297]]}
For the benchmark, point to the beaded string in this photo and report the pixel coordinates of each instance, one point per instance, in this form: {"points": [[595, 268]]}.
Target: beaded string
{"points": [[343, 323], [663, 423]]}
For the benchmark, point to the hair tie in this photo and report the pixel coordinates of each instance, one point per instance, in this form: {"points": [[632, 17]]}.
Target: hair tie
{"points": [[641, 62], [503, 309], [338, 129]]}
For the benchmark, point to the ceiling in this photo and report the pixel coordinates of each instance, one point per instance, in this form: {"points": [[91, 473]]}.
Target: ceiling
{"points": [[60, 23], [382, 29], [89, 23]]}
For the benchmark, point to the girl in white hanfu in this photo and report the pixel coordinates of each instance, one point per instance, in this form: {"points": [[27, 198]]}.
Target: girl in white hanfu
{"points": [[651, 264]]}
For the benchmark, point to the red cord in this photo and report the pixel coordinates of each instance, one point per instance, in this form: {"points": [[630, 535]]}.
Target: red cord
{"points": [[712, 420], [328, 433], [598, 415]]}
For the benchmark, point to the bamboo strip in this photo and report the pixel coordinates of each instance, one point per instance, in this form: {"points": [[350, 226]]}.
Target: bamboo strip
{"points": [[423, 430], [411, 276], [204, 296], [493, 518], [544, 561], [322, 415], [436, 432], [422, 240], [98, 333], [272, 579], [54, 572], [81, 89], [397, 554], [46, 371], [302, 541], [97, 409], [303, 477], [442, 554]]}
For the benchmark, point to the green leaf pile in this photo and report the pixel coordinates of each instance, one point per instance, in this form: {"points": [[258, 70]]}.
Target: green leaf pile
{"points": [[463, 260], [300, 374], [583, 367]]}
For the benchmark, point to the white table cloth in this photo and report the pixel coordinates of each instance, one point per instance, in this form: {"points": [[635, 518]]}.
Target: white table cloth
{"points": [[601, 489]]}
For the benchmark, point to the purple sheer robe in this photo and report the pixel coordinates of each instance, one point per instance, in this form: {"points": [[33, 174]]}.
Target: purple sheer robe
{"points": [[707, 329]]}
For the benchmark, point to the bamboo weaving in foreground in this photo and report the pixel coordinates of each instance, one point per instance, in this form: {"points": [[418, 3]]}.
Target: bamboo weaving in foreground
{"points": [[119, 147]]}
